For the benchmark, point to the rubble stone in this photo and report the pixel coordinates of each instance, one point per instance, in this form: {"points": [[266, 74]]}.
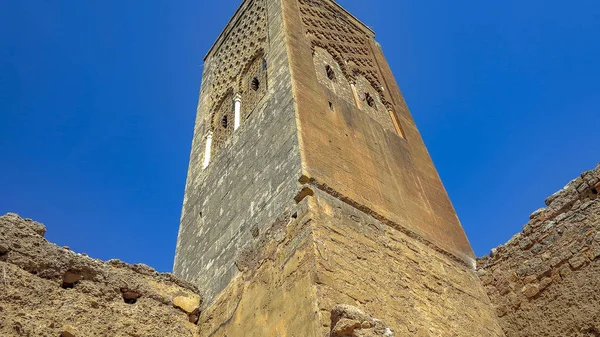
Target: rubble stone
{"points": [[56, 292], [564, 258]]}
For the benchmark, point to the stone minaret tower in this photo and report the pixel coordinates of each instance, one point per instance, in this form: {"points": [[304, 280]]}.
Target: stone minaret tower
{"points": [[309, 187]]}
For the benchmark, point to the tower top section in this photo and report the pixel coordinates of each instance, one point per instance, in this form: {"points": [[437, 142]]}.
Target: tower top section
{"points": [[245, 3]]}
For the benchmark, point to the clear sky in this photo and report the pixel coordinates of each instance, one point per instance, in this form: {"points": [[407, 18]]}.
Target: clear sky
{"points": [[97, 105]]}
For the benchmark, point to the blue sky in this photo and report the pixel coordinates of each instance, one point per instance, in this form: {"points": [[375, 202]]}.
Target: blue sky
{"points": [[97, 104]]}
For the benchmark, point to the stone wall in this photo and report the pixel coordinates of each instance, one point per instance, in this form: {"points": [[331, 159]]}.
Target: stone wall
{"points": [[355, 149], [546, 280], [317, 216], [252, 179], [414, 288], [46, 290], [312, 271]]}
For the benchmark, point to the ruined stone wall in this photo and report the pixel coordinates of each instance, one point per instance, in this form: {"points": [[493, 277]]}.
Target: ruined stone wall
{"points": [[46, 290], [252, 178], [546, 280]]}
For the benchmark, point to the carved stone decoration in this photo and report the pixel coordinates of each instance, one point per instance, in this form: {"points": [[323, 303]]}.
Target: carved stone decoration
{"points": [[329, 28], [246, 39], [223, 121], [236, 54], [253, 84], [329, 73]]}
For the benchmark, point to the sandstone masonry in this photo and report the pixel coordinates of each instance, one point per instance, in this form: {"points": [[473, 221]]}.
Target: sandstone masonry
{"points": [[320, 195], [545, 281], [46, 290]]}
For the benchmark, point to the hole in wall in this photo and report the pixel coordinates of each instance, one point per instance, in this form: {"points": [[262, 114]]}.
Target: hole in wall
{"points": [[330, 72], [66, 285], [331, 106], [305, 192], [255, 231], [255, 84], [594, 190], [70, 279], [369, 99], [194, 316], [224, 121], [130, 296]]}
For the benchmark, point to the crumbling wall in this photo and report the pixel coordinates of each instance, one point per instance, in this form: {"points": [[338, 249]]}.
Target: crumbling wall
{"points": [[546, 280], [47, 290]]}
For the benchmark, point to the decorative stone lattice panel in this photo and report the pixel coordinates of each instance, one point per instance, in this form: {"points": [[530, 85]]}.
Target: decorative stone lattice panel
{"points": [[240, 47], [330, 28], [235, 58], [223, 122], [374, 106], [338, 83], [253, 85]]}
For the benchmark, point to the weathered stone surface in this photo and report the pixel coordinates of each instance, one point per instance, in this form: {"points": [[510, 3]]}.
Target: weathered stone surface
{"points": [[252, 178], [564, 302], [46, 290], [70, 331], [187, 303], [345, 327], [577, 262], [349, 321], [531, 290], [330, 132], [349, 265]]}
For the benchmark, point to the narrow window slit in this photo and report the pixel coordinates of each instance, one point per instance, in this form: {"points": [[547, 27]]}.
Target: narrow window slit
{"points": [[224, 122], [330, 72], [370, 100], [331, 106]]}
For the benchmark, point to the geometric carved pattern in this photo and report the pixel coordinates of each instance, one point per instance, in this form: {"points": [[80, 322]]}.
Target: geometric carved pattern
{"points": [[223, 122], [329, 28], [253, 85], [243, 43], [329, 73]]}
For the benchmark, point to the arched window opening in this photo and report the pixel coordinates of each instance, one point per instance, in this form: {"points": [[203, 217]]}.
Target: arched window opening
{"points": [[330, 72], [369, 99], [255, 84]]}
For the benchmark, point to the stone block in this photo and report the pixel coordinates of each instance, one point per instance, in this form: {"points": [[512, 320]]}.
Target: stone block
{"points": [[545, 282], [187, 303], [70, 331], [530, 290], [577, 262]]}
